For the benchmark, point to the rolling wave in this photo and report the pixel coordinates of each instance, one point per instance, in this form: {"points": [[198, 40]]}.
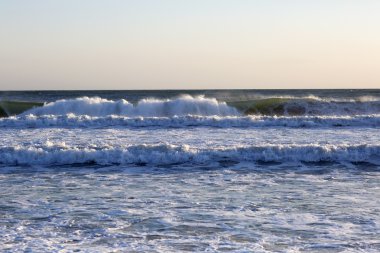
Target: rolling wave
{"points": [[187, 111], [164, 154], [311, 105]]}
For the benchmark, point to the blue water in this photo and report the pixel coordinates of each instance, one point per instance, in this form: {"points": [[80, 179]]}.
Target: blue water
{"points": [[182, 171]]}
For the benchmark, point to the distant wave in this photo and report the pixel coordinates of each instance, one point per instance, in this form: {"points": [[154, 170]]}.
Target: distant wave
{"points": [[163, 154], [84, 121]]}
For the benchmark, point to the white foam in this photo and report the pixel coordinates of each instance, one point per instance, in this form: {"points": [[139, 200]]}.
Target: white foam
{"points": [[162, 154], [72, 120]]}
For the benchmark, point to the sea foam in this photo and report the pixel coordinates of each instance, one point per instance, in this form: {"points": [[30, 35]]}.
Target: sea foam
{"points": [[85, 121], [163, 154]]}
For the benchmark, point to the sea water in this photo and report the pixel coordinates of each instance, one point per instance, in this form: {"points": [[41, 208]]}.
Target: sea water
{"points": [[177, 171]]}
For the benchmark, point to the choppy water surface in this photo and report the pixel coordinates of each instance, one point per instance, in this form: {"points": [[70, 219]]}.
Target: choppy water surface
{"points": [[277, 171]]}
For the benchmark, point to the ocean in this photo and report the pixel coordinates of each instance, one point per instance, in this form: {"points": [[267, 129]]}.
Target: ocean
{"points": [[190, 171]]}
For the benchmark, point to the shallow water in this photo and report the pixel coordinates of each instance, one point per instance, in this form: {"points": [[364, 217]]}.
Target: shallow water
{"points": [[260, 208]]}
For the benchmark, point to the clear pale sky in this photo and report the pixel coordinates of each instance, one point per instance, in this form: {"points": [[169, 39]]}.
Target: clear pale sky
{"points": [[189, 44]]}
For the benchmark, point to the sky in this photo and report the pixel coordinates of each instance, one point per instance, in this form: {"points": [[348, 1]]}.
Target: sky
{"points": [[189, 44]]}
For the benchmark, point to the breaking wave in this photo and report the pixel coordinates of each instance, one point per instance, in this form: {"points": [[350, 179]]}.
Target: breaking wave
{"points": [[184, 105], [185, 111], [164, 154], [202, 106]]}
